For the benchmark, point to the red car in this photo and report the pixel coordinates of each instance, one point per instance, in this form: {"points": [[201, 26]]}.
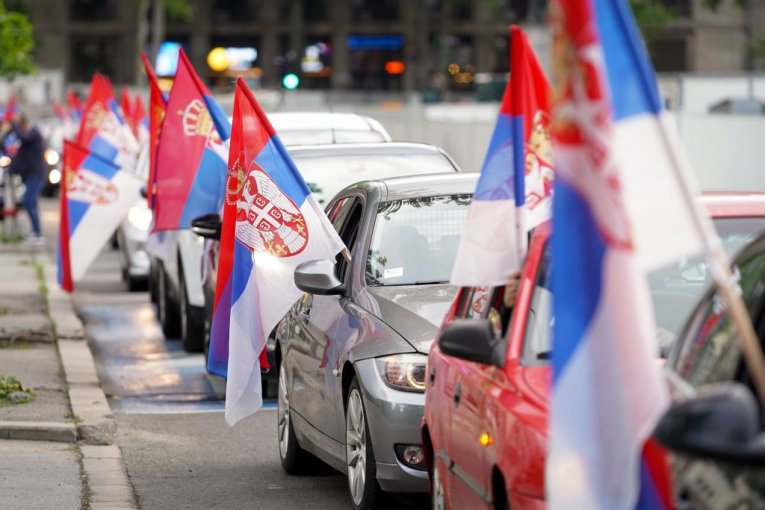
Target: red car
{"points": [[485, 421]]}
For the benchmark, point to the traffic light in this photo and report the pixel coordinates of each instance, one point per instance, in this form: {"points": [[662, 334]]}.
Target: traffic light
{"points": [[290, 81]]}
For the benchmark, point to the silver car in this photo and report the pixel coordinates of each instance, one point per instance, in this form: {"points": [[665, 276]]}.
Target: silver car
{"points": [[351, 353]]}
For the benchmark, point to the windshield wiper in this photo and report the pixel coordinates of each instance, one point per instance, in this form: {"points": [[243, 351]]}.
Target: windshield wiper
{"points": [[428, 282]]}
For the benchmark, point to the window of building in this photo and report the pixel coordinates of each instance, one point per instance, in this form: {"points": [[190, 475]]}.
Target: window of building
{"points": [[376, 10], [90, 55], [669, 54], [93, 10], [315, 10], [233, 11]]}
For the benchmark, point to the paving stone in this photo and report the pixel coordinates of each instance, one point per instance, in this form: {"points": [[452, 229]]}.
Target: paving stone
{"points": [[28, 327]]}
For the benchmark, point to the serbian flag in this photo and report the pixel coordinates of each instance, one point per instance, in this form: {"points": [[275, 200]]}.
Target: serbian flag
{"points": [[609, 132], [74, 107], [271, 223], [190, 173], [514, 191], [11, 109], [58, 110], [157, 106], [103, 129], [96, 195], [126, 104]]}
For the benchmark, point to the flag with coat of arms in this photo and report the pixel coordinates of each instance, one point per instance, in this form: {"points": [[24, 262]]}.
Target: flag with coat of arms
{"points": [[271, 223], [96, 194], [190, 170], [157, 105], [514, 191], [619, 210]]}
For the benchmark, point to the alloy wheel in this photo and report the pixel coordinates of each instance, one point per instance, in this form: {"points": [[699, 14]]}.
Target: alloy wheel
{"points": [[283, 409], [356, 446]]}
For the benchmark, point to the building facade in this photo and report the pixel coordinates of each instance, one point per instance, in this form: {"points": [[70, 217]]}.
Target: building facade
{"points": [[395, 45]]}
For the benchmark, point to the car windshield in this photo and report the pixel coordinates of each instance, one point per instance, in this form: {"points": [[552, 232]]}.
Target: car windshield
{"points": [[326, 174], [675, 290], [415, 240]]}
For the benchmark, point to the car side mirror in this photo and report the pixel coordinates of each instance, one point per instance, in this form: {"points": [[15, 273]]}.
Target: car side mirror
{"points": [[207, 226], [318, 277], [471, 340], [144, 193], [722, 423]]}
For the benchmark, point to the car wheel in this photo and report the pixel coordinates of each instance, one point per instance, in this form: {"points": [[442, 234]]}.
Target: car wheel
{"points": [[438, 497], [192, 320], [153, 284], [293, 458], [359, 455], [168, 309]]}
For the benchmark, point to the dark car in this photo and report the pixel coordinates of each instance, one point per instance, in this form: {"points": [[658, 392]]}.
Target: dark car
{"points": [[351, 353]]}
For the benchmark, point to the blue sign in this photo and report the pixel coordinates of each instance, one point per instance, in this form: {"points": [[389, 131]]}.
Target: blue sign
{"points": [[375, 42], [167, 58]]}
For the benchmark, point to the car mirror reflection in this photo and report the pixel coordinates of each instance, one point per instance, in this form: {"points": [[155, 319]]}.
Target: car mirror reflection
{"points": [[318, 277]]}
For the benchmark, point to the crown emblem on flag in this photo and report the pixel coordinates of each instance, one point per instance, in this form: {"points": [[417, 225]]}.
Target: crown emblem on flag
{"points": [[267, 220], [87, 186], [234, 182], [95, 116], [196, 119]]}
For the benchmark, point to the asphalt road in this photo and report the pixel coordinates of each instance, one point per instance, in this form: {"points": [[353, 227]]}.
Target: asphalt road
{"points": [[178, 451]]}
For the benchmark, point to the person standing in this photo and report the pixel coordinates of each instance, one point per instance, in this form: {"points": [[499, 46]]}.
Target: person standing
{"points": [[29, 163]]}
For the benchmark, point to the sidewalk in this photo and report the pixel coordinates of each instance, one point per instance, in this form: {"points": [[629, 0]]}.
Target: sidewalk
{"points": [[56, 451]]}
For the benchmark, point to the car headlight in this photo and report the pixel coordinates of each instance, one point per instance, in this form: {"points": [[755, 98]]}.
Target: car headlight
{"points": [[52, 157], [54, 176], [140, 217], [403, 371]]}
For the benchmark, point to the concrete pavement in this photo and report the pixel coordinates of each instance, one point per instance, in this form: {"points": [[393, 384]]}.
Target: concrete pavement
{"points": [[56, 451]]}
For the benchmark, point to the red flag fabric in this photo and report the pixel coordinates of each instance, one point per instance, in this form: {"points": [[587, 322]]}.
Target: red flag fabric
{"points": [[11, 109], [127, 108], [59, 110], [68, 167], [73, 105], [157, 106], [95, 109]]}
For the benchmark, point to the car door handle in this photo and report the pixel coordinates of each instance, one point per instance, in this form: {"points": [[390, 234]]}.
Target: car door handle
{"points": [[432, 375], [457, 394]]}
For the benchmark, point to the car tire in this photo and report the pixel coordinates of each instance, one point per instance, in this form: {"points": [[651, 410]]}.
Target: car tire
{"points": [[153, 283], [136, 284], [360, 463], [192, 319], [294, 459], [168, 309], [438, 498]]}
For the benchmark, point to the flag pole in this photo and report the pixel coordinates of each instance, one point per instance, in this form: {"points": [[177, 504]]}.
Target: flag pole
{"points": [[725, 281]]}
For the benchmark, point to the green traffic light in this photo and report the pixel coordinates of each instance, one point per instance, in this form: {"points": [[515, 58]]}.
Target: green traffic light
{"points": [[291, 81]]}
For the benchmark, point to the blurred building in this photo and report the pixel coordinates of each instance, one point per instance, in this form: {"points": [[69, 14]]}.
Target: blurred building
{"points": [[436, 45]]}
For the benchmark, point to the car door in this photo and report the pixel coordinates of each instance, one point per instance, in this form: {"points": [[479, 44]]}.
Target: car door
{"points": [[320, 321], [470, 384], [708, 352]]}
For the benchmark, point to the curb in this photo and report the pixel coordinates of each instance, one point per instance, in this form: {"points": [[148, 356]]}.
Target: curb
{"points": [[38, 431], [93, 416]]}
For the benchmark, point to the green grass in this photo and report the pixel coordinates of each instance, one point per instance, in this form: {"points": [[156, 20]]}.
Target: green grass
{"points": [[10, 385]]}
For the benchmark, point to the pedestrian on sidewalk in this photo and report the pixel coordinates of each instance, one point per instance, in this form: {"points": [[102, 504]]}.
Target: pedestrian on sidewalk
{"points": [[29, 163]]}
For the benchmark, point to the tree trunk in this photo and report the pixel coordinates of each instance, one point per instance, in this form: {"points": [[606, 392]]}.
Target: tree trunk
{"points": [[157, 27], [142, 39]]}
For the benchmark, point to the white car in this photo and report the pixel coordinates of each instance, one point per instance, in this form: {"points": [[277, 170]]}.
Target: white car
{"points": [[132, 234], [176, 276]]}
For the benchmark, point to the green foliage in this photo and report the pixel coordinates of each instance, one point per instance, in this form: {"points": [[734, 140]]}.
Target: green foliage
{"points": [[758, 49], [650, 15], [714, 4], [180, 10], [9, 386], [16, 43]]}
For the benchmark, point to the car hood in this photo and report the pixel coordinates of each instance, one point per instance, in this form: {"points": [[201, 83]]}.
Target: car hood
{"points": [[414, 311]]}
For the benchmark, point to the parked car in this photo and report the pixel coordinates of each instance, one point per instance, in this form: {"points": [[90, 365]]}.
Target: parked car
{"points": [[132, 235], [327, 169], [485, 424], [719, 436], [18, 186], [175, 280], [351, 352]]}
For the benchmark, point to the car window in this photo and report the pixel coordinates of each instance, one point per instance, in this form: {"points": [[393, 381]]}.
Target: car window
{"points": [[348, 232], [414, 241], [327, 174], [537, 341], [334, 212], [708, 351]]}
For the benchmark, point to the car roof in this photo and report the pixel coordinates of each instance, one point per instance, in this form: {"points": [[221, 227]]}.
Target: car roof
{"points": [[416, 186], [326, 121], [733, 204], [363, 149]]}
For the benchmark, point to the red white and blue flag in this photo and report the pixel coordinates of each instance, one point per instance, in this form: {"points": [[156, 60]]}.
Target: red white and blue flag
{"points": [[74, 107], [11, 109], [96, 194], [514, 191], [190, 173], [618, 210], [157, 107], [271, 223], [103, 129]]}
